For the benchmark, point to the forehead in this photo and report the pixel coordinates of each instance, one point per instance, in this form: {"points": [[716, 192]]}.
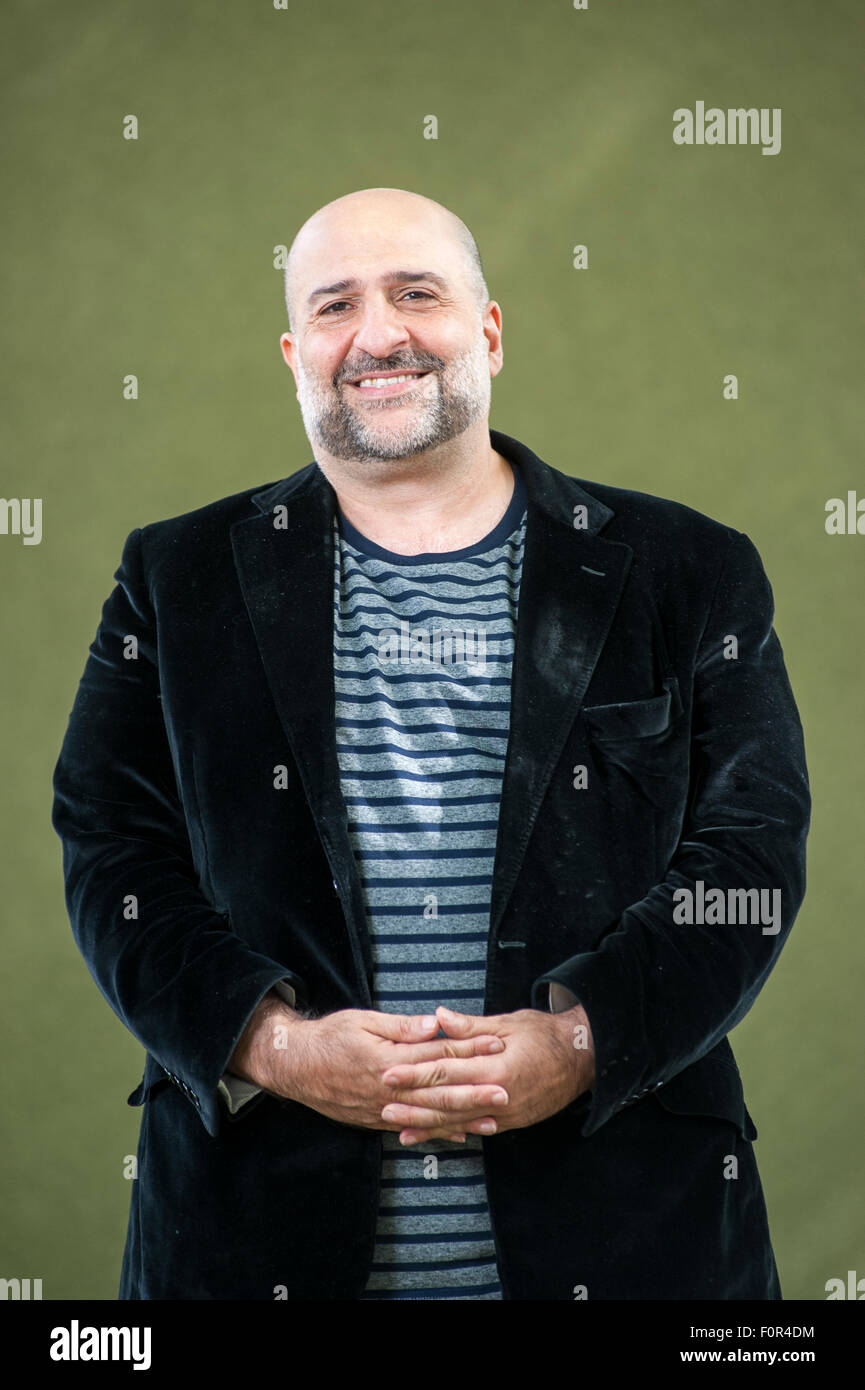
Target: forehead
{"points": [[369, 245]]}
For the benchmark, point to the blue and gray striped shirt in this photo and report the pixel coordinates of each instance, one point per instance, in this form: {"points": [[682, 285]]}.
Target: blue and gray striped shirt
{"points": [[423, 651]]}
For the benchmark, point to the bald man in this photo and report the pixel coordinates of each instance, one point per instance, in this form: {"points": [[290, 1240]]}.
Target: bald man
{"points": [[404, 780]]}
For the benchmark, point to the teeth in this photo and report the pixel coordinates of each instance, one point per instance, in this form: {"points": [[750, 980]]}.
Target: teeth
{"points": [[384, 380]]}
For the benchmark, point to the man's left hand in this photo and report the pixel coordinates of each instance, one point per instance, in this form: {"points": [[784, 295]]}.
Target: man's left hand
{"points": [[547, 1062]]}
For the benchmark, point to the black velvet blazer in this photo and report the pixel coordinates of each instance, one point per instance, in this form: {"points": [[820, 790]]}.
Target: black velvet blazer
{"points": [[197, 876]]}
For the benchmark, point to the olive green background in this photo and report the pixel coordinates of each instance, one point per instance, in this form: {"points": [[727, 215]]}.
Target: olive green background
{"points": [[156, 257]]}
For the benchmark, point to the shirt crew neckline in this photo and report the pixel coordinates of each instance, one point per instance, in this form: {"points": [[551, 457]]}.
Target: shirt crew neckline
{"points": [[499, 534]]}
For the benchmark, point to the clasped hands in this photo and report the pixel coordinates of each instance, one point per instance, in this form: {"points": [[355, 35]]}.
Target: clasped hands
{"points": [[489, 1073], [525, 1069]]}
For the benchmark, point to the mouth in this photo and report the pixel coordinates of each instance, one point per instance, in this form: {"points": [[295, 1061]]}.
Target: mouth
{"points": [[385, 383]]}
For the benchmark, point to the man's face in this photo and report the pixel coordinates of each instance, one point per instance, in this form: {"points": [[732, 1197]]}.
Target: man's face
{"points": [[353, 343]]}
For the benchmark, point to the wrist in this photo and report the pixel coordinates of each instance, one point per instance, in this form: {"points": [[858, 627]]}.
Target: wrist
{"points": [[291, 1056], [576, 1033], [263, 1045]]}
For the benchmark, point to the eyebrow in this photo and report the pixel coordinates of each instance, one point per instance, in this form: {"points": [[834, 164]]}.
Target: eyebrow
{"points": [[391, 277]]}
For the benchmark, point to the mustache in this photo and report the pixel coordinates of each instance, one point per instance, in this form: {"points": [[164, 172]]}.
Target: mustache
{"points": [[372, 365]]}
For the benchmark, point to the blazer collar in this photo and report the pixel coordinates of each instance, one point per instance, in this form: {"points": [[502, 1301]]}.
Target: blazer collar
{"points": [[548, 490], [571, 584]]}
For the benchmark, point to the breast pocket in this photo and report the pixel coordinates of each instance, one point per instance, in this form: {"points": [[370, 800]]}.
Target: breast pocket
{"points": [[640, 746], [635, 719]]}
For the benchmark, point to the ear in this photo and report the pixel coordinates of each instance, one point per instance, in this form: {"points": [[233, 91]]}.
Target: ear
{"points": [[493, 334], [289, 351]]}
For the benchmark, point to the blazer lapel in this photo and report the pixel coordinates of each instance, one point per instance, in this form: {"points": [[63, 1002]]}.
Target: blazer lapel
{"points": [[284, 560], [572, 581]]}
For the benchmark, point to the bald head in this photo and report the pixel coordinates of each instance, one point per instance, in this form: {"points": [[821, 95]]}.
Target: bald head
{"points": [[378, 218]]}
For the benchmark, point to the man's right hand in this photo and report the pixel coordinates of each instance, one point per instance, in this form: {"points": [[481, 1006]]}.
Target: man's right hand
{"points": [[335, 1064]]}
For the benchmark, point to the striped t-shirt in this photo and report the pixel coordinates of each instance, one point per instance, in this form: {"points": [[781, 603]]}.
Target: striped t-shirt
{"points": [[423, 651]]}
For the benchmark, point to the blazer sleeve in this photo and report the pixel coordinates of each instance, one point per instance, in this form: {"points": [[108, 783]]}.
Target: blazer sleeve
{"points": [[167, 961], [660, 995]]}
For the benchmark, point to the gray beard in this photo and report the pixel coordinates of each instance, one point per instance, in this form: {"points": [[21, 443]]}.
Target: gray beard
{"points": [[459, 394]]}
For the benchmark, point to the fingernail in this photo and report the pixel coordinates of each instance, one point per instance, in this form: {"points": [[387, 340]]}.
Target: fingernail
{"points": [[488, 1127], [429, 1022], [497, 1045], [500, 1098]]}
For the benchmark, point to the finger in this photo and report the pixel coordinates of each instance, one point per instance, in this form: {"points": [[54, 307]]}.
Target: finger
{"points": [[401, 1027], [483, 1046], [417, 1134], [423, 1136], [449, 1100], [436, 1110], [465, 1025], [478, 1071]]}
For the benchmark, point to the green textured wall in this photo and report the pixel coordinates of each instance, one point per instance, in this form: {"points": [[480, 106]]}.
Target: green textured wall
{"points": [[155, 257]]}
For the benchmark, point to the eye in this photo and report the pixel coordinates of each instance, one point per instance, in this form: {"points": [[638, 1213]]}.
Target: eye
{"points": [[341, 303]]}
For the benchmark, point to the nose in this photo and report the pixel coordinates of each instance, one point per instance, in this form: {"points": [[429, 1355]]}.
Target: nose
{"points": [[381, 330]]}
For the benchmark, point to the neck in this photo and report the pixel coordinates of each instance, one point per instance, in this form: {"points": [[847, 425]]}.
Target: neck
{"points": [[444, 499]]}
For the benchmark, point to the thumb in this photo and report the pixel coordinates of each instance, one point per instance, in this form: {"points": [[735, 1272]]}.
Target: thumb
{"points": [[404, 1027], [461, 1025]]}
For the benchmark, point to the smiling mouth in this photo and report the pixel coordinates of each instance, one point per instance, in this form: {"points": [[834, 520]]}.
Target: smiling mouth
{"points": [[386, 383]]}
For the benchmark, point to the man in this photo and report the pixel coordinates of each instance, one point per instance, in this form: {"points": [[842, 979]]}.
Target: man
{"points": [[422, 814]]}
